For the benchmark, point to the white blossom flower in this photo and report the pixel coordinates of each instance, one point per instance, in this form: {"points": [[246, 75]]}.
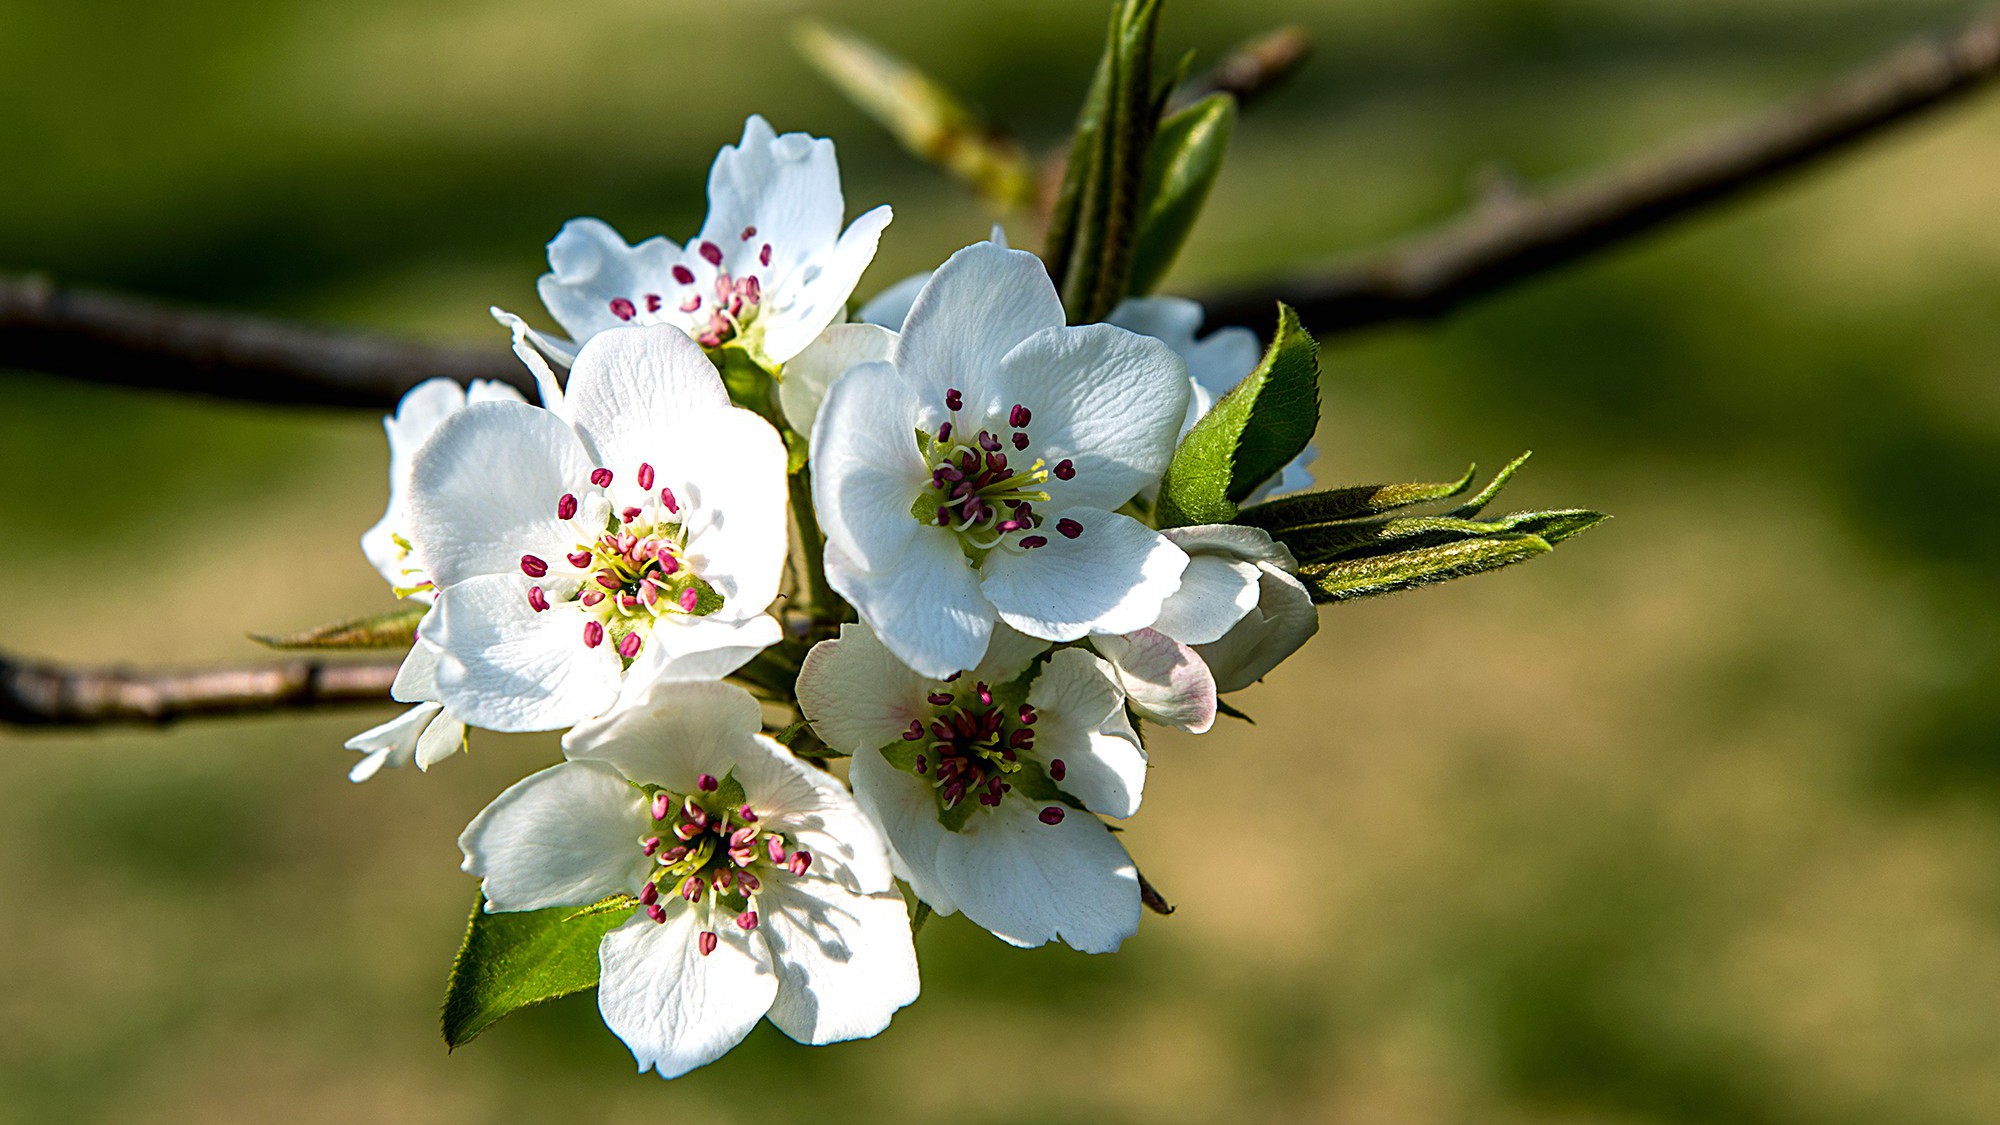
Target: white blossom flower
{"points": [[770, 269], [975, 473], [1240, 611], [637, 537], [1215, 363], [762, 890], [986, 794], [426, 733]]}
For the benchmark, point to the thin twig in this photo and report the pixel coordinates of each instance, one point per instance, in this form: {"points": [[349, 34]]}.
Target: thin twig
{"points": [[1510, 239], [132, 342], [42, 695]]}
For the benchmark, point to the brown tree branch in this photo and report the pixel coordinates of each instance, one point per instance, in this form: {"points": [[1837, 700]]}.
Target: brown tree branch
{"points": [[1512, 238], [132, 342], [44, 695]]}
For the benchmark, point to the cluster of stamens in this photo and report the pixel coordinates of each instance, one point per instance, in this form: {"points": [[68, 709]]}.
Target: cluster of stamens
{"points": [[730, 307], [976, 492], [635, 570], [973, 745], [705, 851]]}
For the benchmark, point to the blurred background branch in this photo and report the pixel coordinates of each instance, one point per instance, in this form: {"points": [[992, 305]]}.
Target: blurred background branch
{"points": [[41, 695]]}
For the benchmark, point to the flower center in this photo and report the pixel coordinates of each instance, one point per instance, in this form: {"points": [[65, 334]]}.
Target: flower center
{"points": [[711, 848], [730, 305], [974, 746], [636, 570], [976, 491]]}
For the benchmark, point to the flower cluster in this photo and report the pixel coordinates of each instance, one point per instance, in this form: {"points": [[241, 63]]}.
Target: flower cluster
{"points": [[823, 605]]}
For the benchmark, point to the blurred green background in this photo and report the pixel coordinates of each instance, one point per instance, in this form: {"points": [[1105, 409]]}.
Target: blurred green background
{"points": [[1696, 821]]}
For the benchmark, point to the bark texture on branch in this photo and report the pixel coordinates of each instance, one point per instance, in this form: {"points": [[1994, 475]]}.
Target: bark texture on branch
{"points": [[132, 342], [49, 695], [1511, 238]]}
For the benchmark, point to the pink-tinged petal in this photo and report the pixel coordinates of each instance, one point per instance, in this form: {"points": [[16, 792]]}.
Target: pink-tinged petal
{"points": [[1216, 592], [506, 667], [1029, 882], [567, 836], [675, 1008], [928, 610], [1112, 578], [845, 961], [1165, 680], [1284, 620]]}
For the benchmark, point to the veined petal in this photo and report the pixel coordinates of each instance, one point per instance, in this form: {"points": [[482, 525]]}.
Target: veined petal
{"points": [[1111, 401], [928, 610], [857, 694], [904, 807], [866, 467], [393, 743], [802, 304], [978, 306], [631, 384], [1284, 620], [591, 266], [845, 961], [785, 187], [1083, 722], [728, 470], [1216, 592], [444, 737], [508, 668], [567, 836], [808, 375], [1112, 578], [1029, 883], [416, 677], [1164, 680], [675, 1008], [673, 735], [483, 491]]}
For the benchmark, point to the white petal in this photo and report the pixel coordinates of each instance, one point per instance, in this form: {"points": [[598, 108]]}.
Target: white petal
{"points": [[632, 384], [393, 743], [1030, 883], [1233, 541], [929, 609], [891, 307], [787, 187], [1008, 655], [982, 302], [1112, 578], [444, 737], [808, 374], [508, 668], [416, 677], [371, 764], [1216, 591], [728, 473], [1110, 400], [1165, 680], [904, 807], [591, 266], [676, 733], [857, 695], [535, 350], [866, 468], [845, 962], [684, 650], [1284, 620], [1170, 320], [801, 305], [675, 1008], [1083, 722], [567, 836], [483, 491]]}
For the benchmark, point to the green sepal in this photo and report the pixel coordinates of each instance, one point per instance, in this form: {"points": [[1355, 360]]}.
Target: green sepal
{"points": [[797, 450], [1406, 570], [1352, 539], [1333, 504], [1093, 229], [728, 792], [511, 960], [1185, 158], [1250, 434], [1033, 782], [395, 629], [749, 383], [611, 904], [933, 123]]}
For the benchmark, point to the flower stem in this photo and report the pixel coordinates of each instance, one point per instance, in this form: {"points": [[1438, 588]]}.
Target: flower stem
{"points": [[827, 608]]}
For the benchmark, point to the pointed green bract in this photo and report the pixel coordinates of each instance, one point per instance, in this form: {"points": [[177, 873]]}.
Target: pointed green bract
{"points": [[931, 121], [1181, 168], [1094, 227], [1406, 570], [513, 959], [1250, 434], [1330, 542], [1309, 508], [394, 629]]}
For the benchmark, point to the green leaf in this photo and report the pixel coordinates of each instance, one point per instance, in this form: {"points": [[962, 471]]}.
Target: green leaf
{"points": [[1093, 230], [1181, 168], [1407, 570], [1366, 500], [929, 120], [394, 629], [1351, 539], [1249, 435], [511, 960]]}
